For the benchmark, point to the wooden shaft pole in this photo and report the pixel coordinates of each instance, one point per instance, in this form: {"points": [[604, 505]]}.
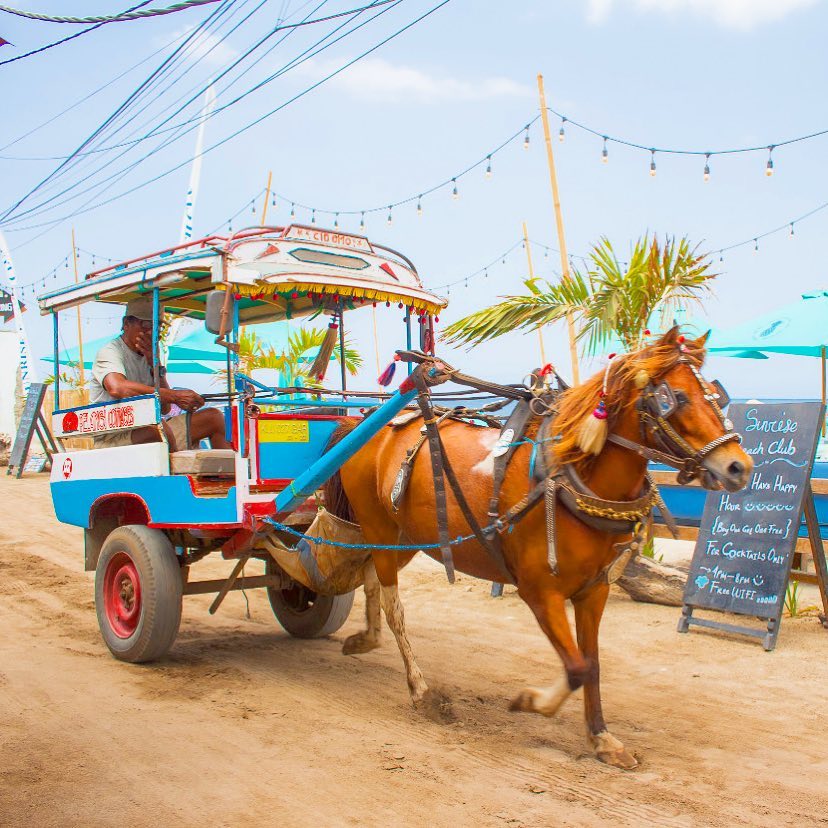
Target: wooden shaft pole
{"points": [[553, 179], [267, 196], [532, 276], [77, 309]]}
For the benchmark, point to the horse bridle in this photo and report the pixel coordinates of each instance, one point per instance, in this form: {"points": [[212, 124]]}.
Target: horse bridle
{"points": [[656, 405]]}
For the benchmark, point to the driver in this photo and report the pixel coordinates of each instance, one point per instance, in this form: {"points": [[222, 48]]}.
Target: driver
{"points": [[123, 368]]}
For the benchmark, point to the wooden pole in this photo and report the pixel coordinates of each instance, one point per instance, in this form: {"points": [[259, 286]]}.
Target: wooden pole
{"points": [[267, 196], [80, 327], [822, 350], [553, 179], [532, 276]]}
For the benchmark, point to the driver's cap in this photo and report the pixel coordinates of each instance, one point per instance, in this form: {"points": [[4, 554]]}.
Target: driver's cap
{"points": [[140, 309]]}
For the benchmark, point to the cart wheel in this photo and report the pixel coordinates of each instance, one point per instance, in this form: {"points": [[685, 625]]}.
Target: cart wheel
{"points": [[138, 593], [306, 614]]}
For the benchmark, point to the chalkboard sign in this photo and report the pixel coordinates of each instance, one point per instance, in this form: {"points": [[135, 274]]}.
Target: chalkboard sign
{"points": [[31, 422], [747, 539]]}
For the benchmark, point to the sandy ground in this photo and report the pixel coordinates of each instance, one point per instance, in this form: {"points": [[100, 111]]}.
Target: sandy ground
{"points": [[243, 725]]}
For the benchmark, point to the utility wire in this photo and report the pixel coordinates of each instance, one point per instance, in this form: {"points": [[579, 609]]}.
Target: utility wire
{"points": [[115, 18], [291, 64], [121, 108]]}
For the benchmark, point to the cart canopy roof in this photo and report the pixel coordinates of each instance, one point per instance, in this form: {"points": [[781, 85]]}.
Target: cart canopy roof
{"points": [[276, 273]]}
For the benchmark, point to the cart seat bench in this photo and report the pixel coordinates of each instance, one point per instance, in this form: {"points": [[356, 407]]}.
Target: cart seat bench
{"points": [[204, 462]]}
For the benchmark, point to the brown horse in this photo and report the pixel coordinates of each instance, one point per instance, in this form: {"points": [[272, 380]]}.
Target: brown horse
{"points": [[362, 493]]}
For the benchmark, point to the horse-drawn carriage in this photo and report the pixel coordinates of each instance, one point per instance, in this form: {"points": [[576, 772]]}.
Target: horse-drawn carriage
{"points": [[151, 510], [555, 499]]}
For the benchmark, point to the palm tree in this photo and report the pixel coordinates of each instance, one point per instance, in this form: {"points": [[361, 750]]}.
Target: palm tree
{"points": [[291, 362], [610, 299]]}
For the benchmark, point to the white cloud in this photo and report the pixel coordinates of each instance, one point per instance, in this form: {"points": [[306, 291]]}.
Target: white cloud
{"points": [[730, 14], [379, 81]]}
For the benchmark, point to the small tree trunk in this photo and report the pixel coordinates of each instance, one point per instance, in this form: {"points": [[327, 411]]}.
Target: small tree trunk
{"points": [[652, 582]]}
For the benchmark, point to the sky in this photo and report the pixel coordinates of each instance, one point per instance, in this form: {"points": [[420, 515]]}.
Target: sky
{"points": [[687, 74]]}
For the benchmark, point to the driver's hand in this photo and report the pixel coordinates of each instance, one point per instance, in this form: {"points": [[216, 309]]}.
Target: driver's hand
{"points": [[143, 342], [188, 400]]}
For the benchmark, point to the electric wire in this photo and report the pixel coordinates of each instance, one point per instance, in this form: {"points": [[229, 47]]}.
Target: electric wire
{"points": [[389, 4]]}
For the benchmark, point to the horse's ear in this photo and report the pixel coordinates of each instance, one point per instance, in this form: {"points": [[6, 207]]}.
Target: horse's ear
{"points": [[702, 340], [671, 337]]}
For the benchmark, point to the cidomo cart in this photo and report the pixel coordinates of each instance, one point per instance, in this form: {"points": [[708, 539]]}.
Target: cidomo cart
{"points": [[149, 513]]}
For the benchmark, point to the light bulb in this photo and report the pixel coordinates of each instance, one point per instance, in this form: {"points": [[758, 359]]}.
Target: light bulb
{"points": [[707, 167], [488, 166], [652, 164], [293, 211], [336, 220], [526, 138], [756, 245], [389, 220], [419, 205], [362, 221], [792, 231], [769, 165], [454, 194], [313, 216], [604, 153], [561, 133], [253, 207]]}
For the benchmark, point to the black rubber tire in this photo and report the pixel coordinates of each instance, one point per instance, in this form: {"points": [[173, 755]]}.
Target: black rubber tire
{"points": [[304, 613], [159, 576]]}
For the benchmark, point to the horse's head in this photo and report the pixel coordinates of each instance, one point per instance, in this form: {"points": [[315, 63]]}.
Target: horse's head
{"points": [[682, 414], [658, 402]]}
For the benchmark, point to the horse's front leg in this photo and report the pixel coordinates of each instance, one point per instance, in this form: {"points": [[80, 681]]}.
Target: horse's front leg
{"points": [[588, 612], [386, 564], [540, 594], [369, 638]]}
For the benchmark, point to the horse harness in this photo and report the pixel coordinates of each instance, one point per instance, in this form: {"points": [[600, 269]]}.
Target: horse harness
{"points": [[656, 405]]}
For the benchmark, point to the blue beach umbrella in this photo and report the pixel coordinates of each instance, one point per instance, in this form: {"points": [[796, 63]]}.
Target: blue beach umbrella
{"points": [[800, 328]]}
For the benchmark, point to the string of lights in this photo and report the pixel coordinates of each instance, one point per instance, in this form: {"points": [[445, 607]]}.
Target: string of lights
{"points": [[608, 138], [451, 182], [36, 285]]}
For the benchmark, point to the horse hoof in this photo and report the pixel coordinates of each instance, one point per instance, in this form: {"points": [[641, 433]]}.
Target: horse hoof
{"points": [[359, 643], [618, 759], [435, 704], [523, 702]]}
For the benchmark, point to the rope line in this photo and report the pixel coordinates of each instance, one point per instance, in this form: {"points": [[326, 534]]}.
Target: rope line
{"points": [[114, 18]]}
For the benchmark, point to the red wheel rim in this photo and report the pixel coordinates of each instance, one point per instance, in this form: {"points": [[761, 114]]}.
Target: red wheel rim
{"points": [[122, 595]]}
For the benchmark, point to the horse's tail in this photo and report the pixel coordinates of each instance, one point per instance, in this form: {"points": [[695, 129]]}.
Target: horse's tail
{"points": [[336, 501]]}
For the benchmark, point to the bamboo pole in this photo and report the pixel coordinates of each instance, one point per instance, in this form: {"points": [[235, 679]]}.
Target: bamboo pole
{"points": [[267, 196], [822, 352], [77, 310], [553, 179], [532, 276]]}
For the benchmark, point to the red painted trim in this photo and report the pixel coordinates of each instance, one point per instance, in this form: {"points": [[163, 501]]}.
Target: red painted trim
{"points": [[205, 526], [406, 385]]}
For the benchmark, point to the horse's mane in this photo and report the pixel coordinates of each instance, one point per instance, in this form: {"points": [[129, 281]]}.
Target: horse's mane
{"points": [[577, 403]]}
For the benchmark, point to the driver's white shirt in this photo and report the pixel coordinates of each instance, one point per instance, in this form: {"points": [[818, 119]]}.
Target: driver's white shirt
{"points": [[116, 358]]}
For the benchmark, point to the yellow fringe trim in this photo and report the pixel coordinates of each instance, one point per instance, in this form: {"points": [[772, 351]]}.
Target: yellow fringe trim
{"points": [[370, 294]]}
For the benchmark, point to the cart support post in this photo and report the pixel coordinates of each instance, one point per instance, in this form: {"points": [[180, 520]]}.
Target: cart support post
{"points": [[309, 481]]}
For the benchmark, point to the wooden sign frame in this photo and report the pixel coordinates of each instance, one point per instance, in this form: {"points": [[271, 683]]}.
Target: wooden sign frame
{"points": [[32, 422], [806, 508]]}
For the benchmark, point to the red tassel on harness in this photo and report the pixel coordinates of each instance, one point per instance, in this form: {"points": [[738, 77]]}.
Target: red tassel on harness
{"points": [[387, 375]]}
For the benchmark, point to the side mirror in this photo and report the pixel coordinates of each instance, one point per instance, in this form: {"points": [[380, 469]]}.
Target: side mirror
{"points": [[218, 316]]}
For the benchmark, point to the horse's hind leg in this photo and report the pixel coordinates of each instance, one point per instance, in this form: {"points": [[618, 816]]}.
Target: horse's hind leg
{"points": [[369, 638], [588, 612], [386, 564]]}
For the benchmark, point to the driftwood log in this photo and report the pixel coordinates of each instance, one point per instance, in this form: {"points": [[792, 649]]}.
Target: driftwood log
{"points": [[652, 582]]}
